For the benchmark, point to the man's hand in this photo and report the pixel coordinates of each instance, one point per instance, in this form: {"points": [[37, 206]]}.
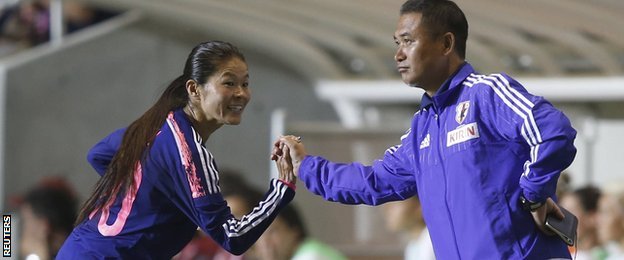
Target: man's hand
{"points": [[539, 215]]}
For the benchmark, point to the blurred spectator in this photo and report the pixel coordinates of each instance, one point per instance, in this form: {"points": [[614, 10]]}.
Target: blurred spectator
{"points": [[47, 214], [611, 221], [287, 238], [22, 25], [583, 203], [405, 218], [27, 23], [78, 16]]}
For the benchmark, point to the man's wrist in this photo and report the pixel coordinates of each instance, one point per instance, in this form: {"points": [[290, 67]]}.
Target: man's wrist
{"points": [[530, 205]]}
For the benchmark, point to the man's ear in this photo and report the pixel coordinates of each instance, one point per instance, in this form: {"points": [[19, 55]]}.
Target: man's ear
{"points": [[192, 88], [448, 41]]}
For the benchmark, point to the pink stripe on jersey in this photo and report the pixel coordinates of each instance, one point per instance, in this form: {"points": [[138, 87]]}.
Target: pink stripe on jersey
{"points": [[197, 190], [124, 212]]}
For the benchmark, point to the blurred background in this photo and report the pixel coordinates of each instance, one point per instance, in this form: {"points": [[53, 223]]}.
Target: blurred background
{"points": [[73, 71]]}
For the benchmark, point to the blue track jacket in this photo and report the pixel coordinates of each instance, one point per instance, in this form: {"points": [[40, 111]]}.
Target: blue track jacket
{"points": [[471, 151], [177, 191]]}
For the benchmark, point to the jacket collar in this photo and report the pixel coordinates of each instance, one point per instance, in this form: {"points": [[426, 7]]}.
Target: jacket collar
{"points": [[447, 88]]}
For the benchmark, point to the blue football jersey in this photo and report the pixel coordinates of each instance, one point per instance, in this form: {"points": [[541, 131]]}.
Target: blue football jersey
{"points": [[176, 191]]}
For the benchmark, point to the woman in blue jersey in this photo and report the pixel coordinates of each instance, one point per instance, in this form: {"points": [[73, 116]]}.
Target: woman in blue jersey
{"points": [[160, 183]]}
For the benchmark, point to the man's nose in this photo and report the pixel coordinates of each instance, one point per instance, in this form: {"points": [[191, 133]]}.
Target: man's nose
{"points": [[399, 55]]}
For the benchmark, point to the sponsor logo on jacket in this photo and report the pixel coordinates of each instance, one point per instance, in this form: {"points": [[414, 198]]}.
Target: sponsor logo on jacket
{"points": [[462, 133]]}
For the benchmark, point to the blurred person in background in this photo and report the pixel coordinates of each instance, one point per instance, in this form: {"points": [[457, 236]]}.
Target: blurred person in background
{"points": [[583, 203], [405, 218], [287, 239], [611, 221], [47, 213], [26, 23], [160, 182]]}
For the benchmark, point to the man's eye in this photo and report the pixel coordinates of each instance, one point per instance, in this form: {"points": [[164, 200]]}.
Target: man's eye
{"points": [[229, 83]]}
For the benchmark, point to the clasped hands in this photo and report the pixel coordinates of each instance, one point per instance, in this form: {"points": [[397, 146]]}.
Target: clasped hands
{"points": [[288, 152]]}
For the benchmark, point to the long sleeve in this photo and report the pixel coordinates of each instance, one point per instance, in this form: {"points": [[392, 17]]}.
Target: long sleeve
{"points": [[189, 176], [524, 118], [388, 179], [102, 153]]}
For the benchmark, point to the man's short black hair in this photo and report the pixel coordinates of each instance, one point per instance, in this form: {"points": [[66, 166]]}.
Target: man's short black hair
{"points": [[439, 17]]}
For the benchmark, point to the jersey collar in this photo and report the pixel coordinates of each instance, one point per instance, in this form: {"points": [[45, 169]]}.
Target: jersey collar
{"points": [[448, 87]]}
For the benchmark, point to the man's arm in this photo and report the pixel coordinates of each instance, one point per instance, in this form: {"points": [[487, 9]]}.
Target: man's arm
{"points": [[389, 179], [524, 118]]}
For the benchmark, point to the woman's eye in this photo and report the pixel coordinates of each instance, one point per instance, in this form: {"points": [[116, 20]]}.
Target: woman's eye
{"points": [[229, 83], [246, 84]]}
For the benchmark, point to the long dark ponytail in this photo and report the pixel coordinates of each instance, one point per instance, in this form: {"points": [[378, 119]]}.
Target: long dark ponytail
{"points": [[201, 63]]}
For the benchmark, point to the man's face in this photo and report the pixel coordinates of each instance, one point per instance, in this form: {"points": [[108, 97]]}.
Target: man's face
{"points": [[419, 55]]}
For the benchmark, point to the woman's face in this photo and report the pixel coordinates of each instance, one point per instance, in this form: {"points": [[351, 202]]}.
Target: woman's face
{"points": [[224, 96]]}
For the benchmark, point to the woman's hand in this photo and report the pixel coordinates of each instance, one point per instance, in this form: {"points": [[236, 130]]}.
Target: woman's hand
{"points": [[284, 165], [291, 149]]}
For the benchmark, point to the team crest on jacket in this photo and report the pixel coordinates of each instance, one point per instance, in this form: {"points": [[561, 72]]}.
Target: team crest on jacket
{"points": [[461, 111]]}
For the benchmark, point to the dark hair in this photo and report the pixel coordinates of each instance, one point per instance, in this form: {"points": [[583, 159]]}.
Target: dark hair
{"points": [[55, 204], [440, 17], [291, 216], [588, 197], [201, 63]]}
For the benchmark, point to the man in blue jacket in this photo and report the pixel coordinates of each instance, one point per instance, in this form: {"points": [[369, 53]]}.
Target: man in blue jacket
{"points": [[482, 154]]}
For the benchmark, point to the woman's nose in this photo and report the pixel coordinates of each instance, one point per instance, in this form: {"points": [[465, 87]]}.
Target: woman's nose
{"points": [[241, 92]]}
